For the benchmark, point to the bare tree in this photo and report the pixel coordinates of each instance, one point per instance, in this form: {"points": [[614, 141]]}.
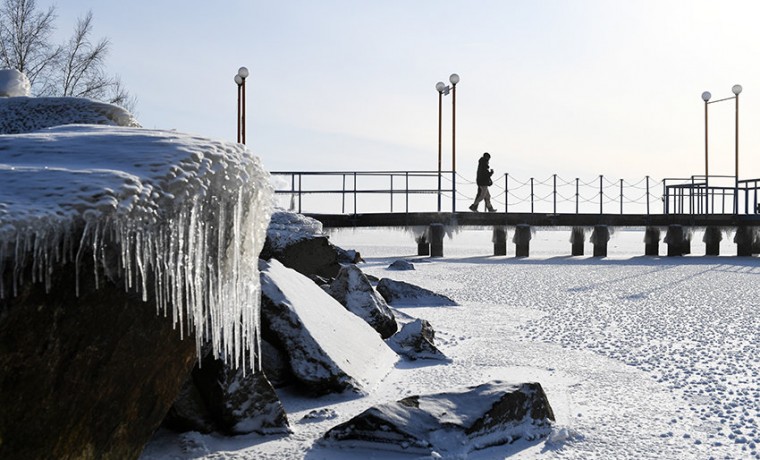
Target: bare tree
{"points": [[74, 69], [25, 38]]}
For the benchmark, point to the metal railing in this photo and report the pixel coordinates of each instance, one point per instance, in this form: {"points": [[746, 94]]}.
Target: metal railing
{"points": [[352, 192]]}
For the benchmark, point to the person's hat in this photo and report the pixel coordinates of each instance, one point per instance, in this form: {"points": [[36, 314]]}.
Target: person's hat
{"points": [[487, 155]]}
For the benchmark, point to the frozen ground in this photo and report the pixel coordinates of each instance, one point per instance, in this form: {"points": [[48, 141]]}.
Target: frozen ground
{"points": [[640, 357]]}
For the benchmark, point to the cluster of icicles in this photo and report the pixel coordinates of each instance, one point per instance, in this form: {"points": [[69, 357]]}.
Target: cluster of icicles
{"points": [[200, 264]]}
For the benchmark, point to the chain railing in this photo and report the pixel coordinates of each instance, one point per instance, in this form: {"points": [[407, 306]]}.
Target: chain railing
{"points": [[354, 192]]}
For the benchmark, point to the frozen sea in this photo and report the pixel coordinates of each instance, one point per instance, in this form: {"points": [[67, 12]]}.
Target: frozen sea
{"points": [[640, 357]]}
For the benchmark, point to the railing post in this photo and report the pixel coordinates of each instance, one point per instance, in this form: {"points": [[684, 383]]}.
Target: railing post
{"points": [[647, 195], [343, 197], [355, 193], [292, 188], [391, 192], [531, 195], [453, 191], [407, 192], [746, 198], [601, 195], [621, 196], [577, 195], [506, 193], [299, 193], [555, 194]]}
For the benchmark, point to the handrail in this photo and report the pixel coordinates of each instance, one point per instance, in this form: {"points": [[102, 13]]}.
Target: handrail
{"points": [[696, 194]]}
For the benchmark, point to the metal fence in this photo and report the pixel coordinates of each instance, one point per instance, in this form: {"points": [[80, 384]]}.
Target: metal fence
{"points": [[353, 192]]}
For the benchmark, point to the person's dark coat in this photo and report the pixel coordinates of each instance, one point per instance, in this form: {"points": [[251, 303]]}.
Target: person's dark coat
{"points": [[484, 172]]}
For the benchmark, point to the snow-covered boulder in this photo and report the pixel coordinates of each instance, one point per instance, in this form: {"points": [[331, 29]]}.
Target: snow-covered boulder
{"points": [[101, 228], [14, 83], [454, 423], [227, 400], [401, 265], [27, 114], [298, 242], [353, 290], [328, 347], [402, 294], [416, 340]]}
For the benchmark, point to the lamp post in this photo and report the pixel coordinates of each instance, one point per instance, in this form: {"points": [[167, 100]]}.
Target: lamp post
{"points": [[736, 89], [443, 90], [240, 80]]}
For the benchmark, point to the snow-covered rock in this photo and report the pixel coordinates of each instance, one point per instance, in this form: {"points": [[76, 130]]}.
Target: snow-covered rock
{"points": [[353, 290], [400, 294], [227, 400], [14, 83], [401, 265], [453, 423], [287, 228], [27, 114], [416, 340], [328, 347]]}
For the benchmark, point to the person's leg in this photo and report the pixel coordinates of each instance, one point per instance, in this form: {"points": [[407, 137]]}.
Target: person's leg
{"points": [[487, 197], [480, 196]]}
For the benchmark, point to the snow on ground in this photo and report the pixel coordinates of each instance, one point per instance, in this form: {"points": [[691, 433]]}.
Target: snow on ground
{"points": [[640, 357]]}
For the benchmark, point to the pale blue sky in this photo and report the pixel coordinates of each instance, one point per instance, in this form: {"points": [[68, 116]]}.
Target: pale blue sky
{"points": [[577, 88]]}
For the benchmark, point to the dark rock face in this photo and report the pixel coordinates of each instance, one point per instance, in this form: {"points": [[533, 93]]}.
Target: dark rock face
{"points": [[399, 293], [311, 256], [354, 291], [401, 265], [455, 422], [219, 398], [416, 340], [274, 363], [85, 377]]}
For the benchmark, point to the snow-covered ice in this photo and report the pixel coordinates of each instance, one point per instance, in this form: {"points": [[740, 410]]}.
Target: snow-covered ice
{"points": [[640, 357]]}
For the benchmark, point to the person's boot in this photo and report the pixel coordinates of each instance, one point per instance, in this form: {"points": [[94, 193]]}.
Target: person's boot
{"points": [[491, 209], [473, 208]]}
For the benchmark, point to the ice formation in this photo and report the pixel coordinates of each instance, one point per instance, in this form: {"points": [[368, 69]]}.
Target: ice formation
{"points": [[176, 217], [14, 83]]}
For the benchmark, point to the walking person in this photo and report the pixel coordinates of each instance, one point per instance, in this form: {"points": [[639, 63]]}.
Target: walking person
{"points": [[483, 179]]}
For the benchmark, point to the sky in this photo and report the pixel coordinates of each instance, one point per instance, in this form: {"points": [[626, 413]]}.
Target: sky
{"points": [[574, 88]]}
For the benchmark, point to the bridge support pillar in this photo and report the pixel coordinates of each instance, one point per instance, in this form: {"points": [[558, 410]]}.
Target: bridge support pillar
{"points": [[423, 246], [599, 238], [522, 240], [436, 232], [675, 240], [744, 238], [686, 248], [652, 241], [499, 241], [712, 239], [577, 238]]}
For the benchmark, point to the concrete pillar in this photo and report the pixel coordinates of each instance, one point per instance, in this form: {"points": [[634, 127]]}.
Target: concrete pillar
{"points": [[755, 241], [743, 239], [423, 246], [686, 247], [599, 238], [436, 232], [712, 238], [652, 241], [577, 238], [499, 241], [522, 240], [675, 240]]}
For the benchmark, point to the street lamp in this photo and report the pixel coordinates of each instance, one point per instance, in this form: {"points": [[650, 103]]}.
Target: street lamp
{"points": [[736, 89], [443, 90], [240, 80]]}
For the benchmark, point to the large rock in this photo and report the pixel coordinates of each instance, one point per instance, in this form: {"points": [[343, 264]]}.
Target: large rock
{"points": [[328, 348], [401, 294], [416, 340], [88, 376], [299, 243], [227, 400], [353, 290], [453, 423]]}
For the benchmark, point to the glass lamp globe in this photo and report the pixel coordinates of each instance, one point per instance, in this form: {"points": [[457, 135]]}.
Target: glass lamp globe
{"points": [[737, 89], [440, 86], [243, 72], [238, 79], [706, 96], [454, 79]]}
